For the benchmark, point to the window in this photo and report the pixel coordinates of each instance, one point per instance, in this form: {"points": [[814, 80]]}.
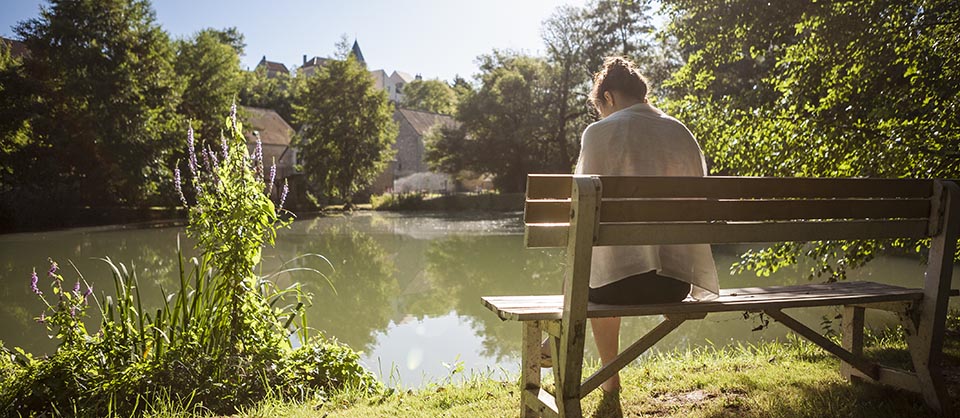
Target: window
{"points": [[399, 87]]}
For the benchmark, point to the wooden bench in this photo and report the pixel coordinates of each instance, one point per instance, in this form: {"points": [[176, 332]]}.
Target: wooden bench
{"points": [[579, 212]]}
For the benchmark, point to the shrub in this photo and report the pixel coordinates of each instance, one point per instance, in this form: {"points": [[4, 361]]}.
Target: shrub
{"points": [[221, 341]]}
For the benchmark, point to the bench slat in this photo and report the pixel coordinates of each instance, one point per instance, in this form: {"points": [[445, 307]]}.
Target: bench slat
{"points": [[558, 187], [555, 235], [660, 210], [550, 307]]}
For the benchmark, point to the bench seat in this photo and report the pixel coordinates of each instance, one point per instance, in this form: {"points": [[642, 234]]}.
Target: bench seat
{"points": [[550, 307]]}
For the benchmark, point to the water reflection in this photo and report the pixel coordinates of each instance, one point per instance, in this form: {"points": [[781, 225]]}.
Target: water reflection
{"points": [[403, 289]]}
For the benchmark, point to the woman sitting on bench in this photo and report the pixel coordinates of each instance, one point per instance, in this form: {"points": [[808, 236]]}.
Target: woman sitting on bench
{"points": [[634, 138]]}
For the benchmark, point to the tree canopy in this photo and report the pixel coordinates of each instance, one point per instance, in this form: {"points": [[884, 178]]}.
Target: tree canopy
{"points": [[821, 89], [98, 125], [429, 96], [347, 129]]}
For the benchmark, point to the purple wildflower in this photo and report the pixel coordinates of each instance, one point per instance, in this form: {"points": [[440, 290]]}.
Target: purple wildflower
{"points": [[73, 311], [33, 283], [53, 268], [273, 176], [213, 159], [206, 160], [176, 181], [76, 288], [258, 156], [43, 318], [283, 194], [87, 293], [192, 162], [223, 145], [233, 115]]}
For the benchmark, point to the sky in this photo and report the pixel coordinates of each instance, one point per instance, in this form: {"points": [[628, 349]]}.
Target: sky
{"points": [[434, 38]]}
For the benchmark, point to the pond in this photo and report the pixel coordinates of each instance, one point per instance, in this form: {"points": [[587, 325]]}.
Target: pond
{"points": [[402, 289]]}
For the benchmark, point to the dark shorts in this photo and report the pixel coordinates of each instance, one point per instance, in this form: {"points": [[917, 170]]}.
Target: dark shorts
{"points": [[641, 289]]}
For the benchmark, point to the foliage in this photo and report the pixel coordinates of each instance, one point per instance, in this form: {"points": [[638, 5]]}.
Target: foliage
{"points": [[394, 201], [821, 89], [222, 340], [209, 65], [429, 96], [98, 128], [275, 92], [504, 118], [347, 128], [527, 113]]}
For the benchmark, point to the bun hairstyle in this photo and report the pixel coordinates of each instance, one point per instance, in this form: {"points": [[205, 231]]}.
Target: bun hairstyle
{"points": [[620, 74]]}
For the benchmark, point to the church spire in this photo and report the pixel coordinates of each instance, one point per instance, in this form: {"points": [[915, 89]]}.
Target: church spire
{"points": [[356, 51]]}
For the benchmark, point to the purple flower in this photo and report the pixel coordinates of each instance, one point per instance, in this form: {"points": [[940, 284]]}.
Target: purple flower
{"points": [[87, 293], [206, 160], [73, 311], [43, 318], [53, 268], [76, 287], [273, 176], [192, 162], [283, 194], [33, 283], [213, 159], [176, 181], [223, 145], [233, 115], [258, 156]]}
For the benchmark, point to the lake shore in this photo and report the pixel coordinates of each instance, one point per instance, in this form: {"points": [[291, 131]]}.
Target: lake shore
{"points": [[787, 379]]}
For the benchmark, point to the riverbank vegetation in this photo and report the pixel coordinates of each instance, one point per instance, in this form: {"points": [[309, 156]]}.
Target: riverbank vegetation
{"points": [[225, 339], [791, 378]]}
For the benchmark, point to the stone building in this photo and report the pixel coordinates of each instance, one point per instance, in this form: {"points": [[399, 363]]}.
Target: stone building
{"points": [[409, 158], [272, 68], [275, 137]]}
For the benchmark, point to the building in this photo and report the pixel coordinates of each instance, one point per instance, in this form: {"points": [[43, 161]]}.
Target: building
{"points": [[275, 137], [18, 50], [393, 84], [272, 68], [408, 162]]}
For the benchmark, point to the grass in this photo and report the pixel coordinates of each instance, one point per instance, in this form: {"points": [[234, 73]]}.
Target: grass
{"points": [[784, 379]]}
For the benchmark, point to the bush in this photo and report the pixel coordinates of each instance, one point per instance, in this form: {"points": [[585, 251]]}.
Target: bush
{"points": [[221, 341], [401, 201]]}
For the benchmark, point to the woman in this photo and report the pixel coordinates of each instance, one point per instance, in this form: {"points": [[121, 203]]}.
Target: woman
{"points": [[634, 138]]}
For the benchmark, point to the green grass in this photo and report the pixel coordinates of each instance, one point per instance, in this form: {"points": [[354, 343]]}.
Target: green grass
{"points": [[787, 379]]}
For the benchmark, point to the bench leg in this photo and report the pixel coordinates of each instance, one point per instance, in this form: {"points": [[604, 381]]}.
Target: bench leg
{"points": [[530, 369], [926, 362], [568, 368], [852, 339]]}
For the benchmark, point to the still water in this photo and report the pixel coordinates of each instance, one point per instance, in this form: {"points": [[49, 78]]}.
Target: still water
{"points": [[402, 289]]}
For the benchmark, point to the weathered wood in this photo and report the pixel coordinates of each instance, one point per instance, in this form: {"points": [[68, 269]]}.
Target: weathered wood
{"points": [[897, 378], [568, 363], [852, 337], [628, 355], [570, 211], [859, 363], [926, 346], [703, 210], [650, 233], [530, 368], [550, 307], [541, 402], [720, 187]]}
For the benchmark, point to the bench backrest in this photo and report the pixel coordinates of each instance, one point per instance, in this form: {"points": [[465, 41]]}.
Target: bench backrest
{"points": [[685, 210]]}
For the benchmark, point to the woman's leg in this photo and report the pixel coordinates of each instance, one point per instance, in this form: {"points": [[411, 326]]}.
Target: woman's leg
{"points": [[643, 288], [606, 332]]}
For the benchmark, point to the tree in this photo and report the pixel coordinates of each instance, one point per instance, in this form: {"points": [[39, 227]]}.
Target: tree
{"points": [[505, 119], [101, 94], [209, 65], [429, 96], [258, 90], [347, 129], [835, 89]]}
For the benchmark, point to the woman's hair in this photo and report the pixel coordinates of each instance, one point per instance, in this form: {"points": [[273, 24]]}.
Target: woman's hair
{"points": [[617, 73]]}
